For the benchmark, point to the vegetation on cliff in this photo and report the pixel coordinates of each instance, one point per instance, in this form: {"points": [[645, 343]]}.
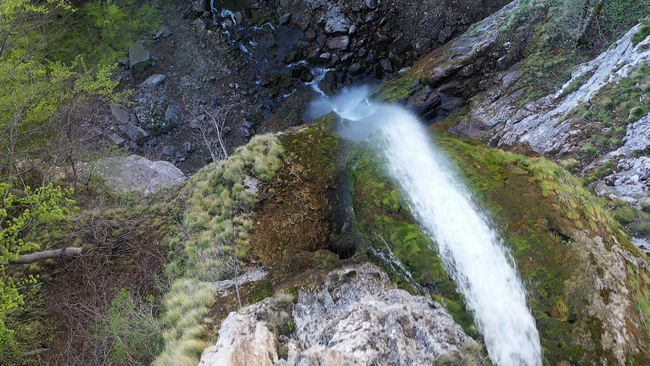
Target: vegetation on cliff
{"points": [[566, 245]]}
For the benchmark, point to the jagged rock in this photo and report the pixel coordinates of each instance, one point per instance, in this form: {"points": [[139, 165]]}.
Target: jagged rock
{"points": [[336, 22], [386, 65], [139, 57], [354, 318], [133, 132], [120, 115], [338, 43], [163, 32], [445, 34], [285, 19], [153, 80], [173, 113], [135, 173], [316, 57], [356, 69], [168, 150], [117, 139]]}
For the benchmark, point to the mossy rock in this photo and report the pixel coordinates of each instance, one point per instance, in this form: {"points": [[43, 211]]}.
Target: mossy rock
{"points": [[588, 286]]}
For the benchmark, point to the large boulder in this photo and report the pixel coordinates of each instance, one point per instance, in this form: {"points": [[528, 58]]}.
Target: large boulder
{"points": [[135, 173], [139, 57], [355, 317]]}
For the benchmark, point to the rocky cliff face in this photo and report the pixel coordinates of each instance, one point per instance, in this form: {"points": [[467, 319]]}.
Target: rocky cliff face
{"points": [[588, 286], [355, 317]]}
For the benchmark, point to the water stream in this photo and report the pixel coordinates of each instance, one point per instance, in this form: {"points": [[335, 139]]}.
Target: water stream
{"points": [[472, 252]]}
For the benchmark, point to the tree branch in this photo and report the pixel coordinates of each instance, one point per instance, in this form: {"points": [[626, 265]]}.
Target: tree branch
{"points": [[47, 254]]}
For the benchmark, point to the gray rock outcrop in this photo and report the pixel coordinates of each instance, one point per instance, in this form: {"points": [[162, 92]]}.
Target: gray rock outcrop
{"points": [[139, 57], [135, 173], [354, 318]]}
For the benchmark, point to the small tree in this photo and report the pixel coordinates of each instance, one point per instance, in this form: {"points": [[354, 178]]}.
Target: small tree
{"points": [[21, 215]]}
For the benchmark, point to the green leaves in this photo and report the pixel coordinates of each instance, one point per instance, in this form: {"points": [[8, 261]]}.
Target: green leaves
{"points": [[22, 214]]}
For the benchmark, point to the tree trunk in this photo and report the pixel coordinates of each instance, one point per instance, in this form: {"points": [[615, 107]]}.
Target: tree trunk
{"points": [[595, 11], [47, 254]]}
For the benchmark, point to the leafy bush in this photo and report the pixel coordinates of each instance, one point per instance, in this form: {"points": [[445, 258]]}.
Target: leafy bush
{"points": [[130, 332], [103, 31]]}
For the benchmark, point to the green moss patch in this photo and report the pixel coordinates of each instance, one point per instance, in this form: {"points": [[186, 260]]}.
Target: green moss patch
{"points": [[551, 224]]}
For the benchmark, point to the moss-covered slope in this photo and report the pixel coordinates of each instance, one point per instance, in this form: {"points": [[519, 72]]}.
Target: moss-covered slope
{"points": [[587, 285]]}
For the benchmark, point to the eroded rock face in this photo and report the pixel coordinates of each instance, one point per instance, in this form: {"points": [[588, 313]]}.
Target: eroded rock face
{"points": [[547, 127], [354, 318], [135, 173]]}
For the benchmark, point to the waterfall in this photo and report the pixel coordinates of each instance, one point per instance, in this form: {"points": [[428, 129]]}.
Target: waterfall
{"points": [[472, 252]]}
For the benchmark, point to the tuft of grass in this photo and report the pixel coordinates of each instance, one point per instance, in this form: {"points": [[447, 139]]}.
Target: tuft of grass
{"points": [[217, 221], [184, 309], [643, 32]]}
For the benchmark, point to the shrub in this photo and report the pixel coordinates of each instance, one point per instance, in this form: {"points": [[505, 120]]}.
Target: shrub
{"points": [[130, 332]]}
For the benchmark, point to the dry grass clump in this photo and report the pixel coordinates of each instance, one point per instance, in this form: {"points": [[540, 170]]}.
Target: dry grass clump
{"points": [[184, 309]]}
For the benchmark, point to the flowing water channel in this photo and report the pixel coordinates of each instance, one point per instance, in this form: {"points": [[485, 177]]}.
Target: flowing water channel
{"points": [[472, 252]]}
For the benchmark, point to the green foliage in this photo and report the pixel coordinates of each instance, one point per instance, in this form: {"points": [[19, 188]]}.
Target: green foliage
{"points": [[549, 29], [103, 31], [219, 214], [217, 222], [130, 331], [22, 215], [23, 212], [643, 32]]}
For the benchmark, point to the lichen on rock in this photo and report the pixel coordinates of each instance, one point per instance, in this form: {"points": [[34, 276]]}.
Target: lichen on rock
{"points": [[354, 317]]}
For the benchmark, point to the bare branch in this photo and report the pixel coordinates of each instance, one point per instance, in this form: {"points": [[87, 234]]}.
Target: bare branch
{"points": [[47, 254]]}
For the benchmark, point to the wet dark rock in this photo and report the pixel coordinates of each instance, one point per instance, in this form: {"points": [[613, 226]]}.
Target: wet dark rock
{"points": [[356, 69], [451, 104], [321, 40], [380, 38], [396, 59], [424, 102], [371, 59], [378, 71], [400, 45], [310, 35], [386, 65], [334, 60], [454, 89], [315, 57], [297, 71], [239, 17], [445, 34], [329, 85], [346, 58], [285, 19]]}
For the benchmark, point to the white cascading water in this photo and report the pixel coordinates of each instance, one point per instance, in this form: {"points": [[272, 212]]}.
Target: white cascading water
{"points": [[473, 254]]}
